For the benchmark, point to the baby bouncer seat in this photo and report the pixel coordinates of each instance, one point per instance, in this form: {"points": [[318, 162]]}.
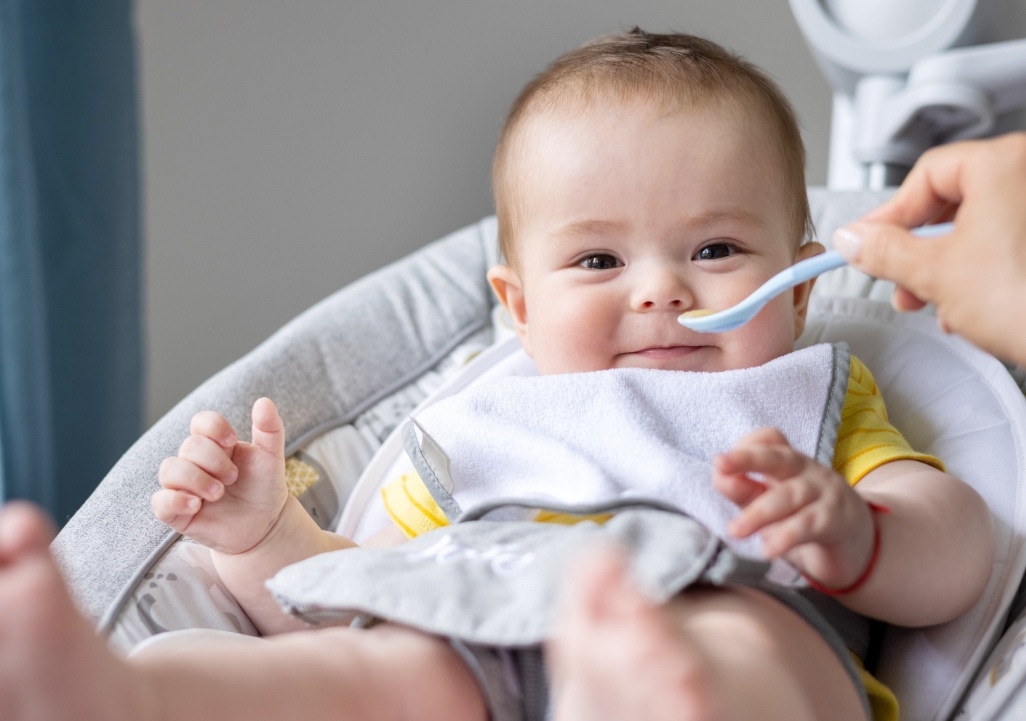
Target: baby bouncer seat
{"points": [[347, 372]]}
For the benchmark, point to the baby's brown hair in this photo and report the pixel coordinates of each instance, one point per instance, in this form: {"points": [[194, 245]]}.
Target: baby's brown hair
{"points": [[677, 69]]}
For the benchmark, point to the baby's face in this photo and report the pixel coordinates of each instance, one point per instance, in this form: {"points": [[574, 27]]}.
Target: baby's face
{"points": [[632, 216]]}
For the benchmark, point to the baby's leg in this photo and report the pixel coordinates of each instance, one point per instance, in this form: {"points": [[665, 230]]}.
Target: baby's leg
{"points": [[710, 654], [341, 674], [53, 666]]}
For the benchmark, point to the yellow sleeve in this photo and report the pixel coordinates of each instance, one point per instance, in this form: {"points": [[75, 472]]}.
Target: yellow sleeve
{"points": [[413, 509], [865, 438], [411, 506]]}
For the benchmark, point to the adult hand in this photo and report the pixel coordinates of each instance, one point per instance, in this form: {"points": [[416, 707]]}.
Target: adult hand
{"points": [[976, 276]]}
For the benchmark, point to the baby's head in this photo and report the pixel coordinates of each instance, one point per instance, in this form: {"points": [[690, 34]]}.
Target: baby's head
{"points": [[638, 177]]}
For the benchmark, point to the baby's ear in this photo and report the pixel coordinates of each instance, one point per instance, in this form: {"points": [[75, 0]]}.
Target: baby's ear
{"points": [[803, 291], [510, 291]]}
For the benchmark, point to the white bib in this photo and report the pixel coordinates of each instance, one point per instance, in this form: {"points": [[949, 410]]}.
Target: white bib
{"points": [[583, 441]]}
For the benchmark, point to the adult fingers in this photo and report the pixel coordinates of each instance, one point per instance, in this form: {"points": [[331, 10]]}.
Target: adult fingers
{"points": [[24, 528], [905, 300], [889, 251]]}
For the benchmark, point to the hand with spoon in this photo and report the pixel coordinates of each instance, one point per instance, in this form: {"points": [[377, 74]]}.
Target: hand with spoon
{"points": [[707, 321], [975, 278]]}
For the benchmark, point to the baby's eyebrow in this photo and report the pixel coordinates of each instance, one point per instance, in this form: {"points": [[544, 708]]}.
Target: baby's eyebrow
{"points": [[599, 227], [737, 215], [587, 228]]}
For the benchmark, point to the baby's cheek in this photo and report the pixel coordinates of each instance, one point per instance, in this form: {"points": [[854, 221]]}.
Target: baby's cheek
{"points": [[771, 335]]}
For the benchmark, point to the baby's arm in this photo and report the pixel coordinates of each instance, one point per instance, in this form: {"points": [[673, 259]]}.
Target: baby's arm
{"points": [[231, 496], [936, 542]]}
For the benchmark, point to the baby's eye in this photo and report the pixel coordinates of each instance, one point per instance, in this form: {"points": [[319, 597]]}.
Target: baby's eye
{"points": [[715, 251], [600, 261]]}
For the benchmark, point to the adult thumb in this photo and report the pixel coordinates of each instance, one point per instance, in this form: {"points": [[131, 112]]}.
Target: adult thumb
{"points": [[268, 429], [886, 251]]}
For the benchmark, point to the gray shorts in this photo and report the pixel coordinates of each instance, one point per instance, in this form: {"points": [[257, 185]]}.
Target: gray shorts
{"points": [[514, 682]]}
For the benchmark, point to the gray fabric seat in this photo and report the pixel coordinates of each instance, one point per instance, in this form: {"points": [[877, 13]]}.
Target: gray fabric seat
{"points": [[322, 368]]}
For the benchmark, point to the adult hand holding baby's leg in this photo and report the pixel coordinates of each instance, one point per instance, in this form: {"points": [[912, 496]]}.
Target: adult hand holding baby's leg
{"points": [[802, 510], [223, 492]]}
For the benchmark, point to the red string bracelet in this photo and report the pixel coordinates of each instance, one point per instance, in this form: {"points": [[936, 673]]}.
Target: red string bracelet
{"points": [[873, 557]]}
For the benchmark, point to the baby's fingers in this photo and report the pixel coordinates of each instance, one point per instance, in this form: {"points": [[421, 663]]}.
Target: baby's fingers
{"points": [[209, 457], [215, 427], [782, 506], [798, 529], [178, 474], [773, 460], [767, 435], [736, 487], [175, 508]]}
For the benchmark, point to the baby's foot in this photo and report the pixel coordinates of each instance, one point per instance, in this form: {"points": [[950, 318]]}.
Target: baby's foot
{"points": [[53, 666], [616, 655]]}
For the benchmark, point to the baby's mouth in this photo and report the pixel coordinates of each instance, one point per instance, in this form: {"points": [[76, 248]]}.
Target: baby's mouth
{"points": [[666, 352]]}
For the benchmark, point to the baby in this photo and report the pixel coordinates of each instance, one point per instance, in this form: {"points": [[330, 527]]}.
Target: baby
{"points": [[637, 178]]}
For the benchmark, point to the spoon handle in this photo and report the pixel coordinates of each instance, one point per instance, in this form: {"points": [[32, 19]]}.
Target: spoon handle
{"points": [[933, 231], [831, 260]]}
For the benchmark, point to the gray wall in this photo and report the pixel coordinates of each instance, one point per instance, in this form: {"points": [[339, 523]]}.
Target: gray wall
{"points": [[292, 146]]}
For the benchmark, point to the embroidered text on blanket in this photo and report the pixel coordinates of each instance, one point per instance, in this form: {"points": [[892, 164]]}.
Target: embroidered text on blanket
{"points": [[504, 559]]}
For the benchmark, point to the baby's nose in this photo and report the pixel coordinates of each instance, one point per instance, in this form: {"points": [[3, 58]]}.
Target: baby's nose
{"points": [[668, 303], [663, 290]]}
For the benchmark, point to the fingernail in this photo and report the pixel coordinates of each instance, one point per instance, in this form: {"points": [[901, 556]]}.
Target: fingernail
{"points": [[847, 242]]}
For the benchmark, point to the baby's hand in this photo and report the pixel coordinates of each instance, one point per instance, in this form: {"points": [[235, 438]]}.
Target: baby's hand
{"points": [[802, 510], [222, 492]]}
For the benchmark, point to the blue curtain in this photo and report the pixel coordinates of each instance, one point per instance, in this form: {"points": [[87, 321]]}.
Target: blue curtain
{"points": [[70, 340]]}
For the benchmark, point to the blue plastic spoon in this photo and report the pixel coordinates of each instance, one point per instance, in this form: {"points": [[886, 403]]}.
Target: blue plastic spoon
{"points": [[736, 316]]}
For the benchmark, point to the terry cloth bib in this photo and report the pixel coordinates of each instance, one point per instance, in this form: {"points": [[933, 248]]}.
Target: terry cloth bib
{"points": [[634, 439], [569, 443]]}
